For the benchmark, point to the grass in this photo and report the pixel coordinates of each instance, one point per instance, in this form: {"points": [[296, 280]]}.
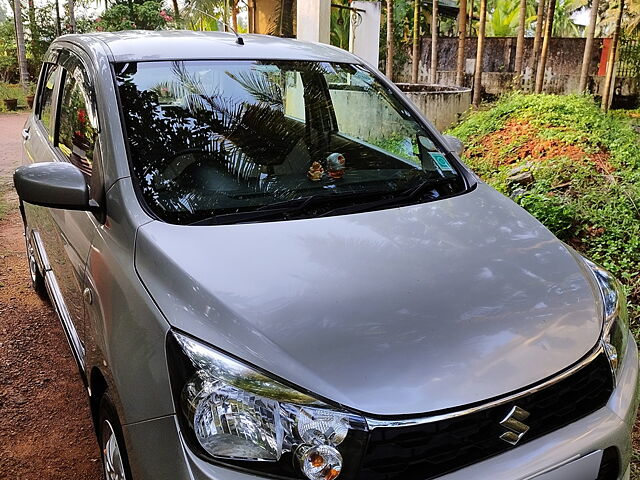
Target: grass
{"points": [[13, 91]]}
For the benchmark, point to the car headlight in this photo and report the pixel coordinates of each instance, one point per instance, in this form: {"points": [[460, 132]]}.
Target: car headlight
{"points": [[236, 415], [614, 310]]}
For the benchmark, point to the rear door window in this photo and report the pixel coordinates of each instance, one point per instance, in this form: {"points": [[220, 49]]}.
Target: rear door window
{"points": [[47, 99], [77, 125]]}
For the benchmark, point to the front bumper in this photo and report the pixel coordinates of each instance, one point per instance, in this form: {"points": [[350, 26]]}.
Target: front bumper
{"points": [[156, 449]]}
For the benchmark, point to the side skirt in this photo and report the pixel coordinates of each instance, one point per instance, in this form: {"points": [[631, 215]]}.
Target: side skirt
{"points": [[59, 304]]}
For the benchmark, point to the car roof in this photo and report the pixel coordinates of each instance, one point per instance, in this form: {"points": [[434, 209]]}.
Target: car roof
{"points": [[145, 45]]}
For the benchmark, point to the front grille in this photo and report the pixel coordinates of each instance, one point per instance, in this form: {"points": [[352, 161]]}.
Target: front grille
{"points": [[425, 451]]}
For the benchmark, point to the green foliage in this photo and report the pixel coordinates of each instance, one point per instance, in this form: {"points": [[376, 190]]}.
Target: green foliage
{"points": [[133, 16], [8, 91], [8, 54], [563, 24], [340, 25], [402, 22], [503, 18], [590, 201]]}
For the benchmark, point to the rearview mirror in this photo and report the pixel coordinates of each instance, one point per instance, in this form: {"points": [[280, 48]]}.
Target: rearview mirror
{"points": [[54, 185], [455, 144]]}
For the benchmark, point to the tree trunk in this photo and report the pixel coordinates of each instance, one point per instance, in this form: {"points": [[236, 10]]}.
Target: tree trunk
{"points": [[588, 46], [611, 64], [234, 14], [548, 30], [462, 34], [22, 53], [520, 43], [433, 74], [415, 54], [176, 10], [537, 39], [71, 7], [470, 22], [477, 76], [390, 42], [225, 17], [58, 27], [33, 27]]}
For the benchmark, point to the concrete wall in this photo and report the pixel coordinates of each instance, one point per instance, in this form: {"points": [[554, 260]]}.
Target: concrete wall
{"points": [[353, 107], [442, 106], [265, 15], [562, 73]]}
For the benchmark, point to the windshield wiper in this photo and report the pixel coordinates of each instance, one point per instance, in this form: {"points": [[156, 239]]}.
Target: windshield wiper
{"points": [[285, 209], [401, 199], [325, 205]]}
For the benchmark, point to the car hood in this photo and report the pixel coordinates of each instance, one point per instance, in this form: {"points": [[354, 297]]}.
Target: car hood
{"points": [[396, 312]]}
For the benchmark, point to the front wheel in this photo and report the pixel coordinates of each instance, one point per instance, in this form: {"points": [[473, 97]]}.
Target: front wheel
{"points": [[37, 279], [114, 456]]}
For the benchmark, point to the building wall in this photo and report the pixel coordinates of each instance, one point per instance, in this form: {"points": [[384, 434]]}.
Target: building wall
{"points": [[562, 71], [265, 15]]}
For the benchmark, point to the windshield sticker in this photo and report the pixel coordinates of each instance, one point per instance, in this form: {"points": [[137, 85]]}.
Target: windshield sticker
{"points": [[442, 162]]}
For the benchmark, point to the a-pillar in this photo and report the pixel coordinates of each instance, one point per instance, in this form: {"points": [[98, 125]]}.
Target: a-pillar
{"points": [[313, 20]]}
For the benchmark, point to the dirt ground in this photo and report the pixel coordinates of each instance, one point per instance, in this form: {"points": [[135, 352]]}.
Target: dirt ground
{"points": [[45, 425]]}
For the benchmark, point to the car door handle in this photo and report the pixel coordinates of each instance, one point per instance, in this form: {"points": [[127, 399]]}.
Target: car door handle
{"points": [[25, 134]]}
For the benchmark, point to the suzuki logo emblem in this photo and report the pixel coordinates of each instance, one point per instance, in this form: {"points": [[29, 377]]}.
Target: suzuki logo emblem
{"points": [[513, 422]]}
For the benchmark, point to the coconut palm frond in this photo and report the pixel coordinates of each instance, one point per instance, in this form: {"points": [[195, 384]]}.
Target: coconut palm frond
{"points": [[261, 87], [281, 23]]}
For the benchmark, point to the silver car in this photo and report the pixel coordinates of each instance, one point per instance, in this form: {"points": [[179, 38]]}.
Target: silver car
{"points": [[269, 265]]}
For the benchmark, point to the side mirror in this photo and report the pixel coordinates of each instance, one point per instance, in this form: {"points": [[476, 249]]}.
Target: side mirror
{"points": [[455, 144], [53, 184]]}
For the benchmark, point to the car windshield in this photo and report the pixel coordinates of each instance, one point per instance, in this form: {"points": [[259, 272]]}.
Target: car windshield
{"points": [[232, 141]]}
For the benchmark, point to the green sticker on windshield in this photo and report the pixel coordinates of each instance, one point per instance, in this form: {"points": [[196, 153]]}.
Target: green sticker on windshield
{"points": [[441, 161]]}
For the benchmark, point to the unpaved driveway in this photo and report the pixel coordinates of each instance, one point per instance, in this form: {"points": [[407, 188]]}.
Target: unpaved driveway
{"points": [[45, 427]]}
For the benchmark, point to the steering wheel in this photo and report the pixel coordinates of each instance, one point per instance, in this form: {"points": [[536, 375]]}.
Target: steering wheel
{"points": [[196, 169]]}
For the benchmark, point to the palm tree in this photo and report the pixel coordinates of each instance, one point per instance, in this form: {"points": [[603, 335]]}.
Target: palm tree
{"points": [[33, 26], [22, 52], [537, 39], [606, 93], [477, 76], [415, 54], [58, 28], [520, 41], [176, 10], [548, 29], [433, 77], [563, 25], [71, 12], [462, 34], [207, 13], [503, 20], [234, 13], [631, 18], [390, 42], [588, 45]]}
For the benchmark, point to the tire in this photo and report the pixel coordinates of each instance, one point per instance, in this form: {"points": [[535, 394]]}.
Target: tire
{"points": [[115, 462], [37, 279]]}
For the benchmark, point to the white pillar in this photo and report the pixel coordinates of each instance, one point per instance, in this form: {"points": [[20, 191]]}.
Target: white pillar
{"points": [[365, 31], [313, 20]]}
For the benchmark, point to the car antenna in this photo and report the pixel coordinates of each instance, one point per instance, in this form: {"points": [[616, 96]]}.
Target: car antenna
{"points": [[239, 39]]}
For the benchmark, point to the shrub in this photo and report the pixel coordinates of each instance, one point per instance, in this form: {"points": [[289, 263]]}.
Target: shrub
{"points": [[146, 16]]}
